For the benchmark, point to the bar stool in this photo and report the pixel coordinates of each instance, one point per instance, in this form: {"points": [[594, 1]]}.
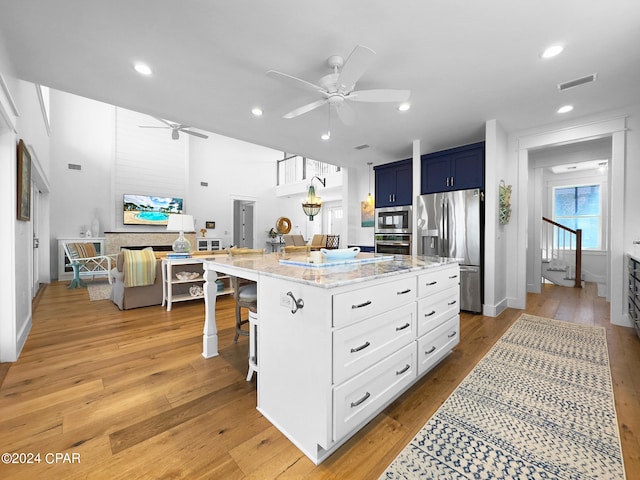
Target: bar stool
{"points": [[253, 344]]}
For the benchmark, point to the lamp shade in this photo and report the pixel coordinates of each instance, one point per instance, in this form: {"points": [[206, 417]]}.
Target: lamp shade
{"points": [[180, 223]]}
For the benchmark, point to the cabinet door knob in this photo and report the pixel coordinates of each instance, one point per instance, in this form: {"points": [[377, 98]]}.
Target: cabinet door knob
{"points": [[406, 325], [403, 291], [430, 313], [404, 369], [452, 334], [431, 350], [431, 283]]}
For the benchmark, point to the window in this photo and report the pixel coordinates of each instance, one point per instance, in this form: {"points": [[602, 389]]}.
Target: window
{"points": [[579, 207]]}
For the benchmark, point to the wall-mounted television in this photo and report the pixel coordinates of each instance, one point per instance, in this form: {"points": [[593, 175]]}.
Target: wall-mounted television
{"points": [[149, 209]]}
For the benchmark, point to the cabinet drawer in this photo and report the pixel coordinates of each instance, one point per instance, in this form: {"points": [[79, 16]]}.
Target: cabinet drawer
{"points": [[362, 344], [350, 307], [435, 344], [436, 308], [433, 282], [357, 399]]}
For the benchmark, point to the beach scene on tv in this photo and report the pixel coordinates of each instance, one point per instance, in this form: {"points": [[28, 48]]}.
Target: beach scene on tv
{"points": [[149, 210]]}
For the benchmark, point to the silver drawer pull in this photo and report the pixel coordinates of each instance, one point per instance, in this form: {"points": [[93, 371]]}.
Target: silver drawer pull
{"points": [[431, 350], [453, 276], [368, 302], [406, 367], [430, 313], [431, 283], [452, 303], [358, 402], [403, 292], [403, 327], [452, 334], [361, 347]]}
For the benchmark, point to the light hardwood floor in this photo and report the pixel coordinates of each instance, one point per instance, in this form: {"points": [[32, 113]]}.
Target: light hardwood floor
{"points": [[130, 394]]}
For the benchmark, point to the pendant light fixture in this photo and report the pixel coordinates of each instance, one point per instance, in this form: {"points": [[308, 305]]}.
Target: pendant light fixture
{"points": [[312, 204], [370, 197]]}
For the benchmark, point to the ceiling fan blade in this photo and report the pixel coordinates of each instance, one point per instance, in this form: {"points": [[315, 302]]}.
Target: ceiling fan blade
{"points": [[380, 95], [296, 82], [149, 126], [354, 67], [169, 124], [305, 108], [345, 113], [196, 134]]}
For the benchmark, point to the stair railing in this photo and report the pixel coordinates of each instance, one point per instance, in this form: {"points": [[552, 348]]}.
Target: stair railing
{"points": [[557, 241]]}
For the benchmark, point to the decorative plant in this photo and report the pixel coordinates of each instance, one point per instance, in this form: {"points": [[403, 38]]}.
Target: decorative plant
{"points": [[504, 201], [273, 233]]}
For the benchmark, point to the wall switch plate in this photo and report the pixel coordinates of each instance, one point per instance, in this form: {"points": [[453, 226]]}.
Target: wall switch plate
{"points": [[286, 301]]}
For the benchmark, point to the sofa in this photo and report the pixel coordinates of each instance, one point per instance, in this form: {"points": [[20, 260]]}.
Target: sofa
{"points": [[133, 297]]}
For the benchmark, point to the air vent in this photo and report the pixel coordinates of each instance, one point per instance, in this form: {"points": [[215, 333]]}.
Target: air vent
{"points": [[577, 82], [204, 184], [74, 166], [361, 147]]}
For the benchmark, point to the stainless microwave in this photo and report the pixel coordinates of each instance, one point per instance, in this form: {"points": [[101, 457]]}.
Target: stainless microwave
{"points": [[393, 219]]}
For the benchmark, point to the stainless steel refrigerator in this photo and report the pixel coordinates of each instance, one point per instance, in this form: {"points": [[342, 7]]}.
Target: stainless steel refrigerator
{"points": [[450, 225]]}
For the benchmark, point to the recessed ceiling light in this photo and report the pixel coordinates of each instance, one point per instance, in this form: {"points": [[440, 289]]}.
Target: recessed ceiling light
{"points": [[326, 136], [403, 107], [257, 111], [565, 109], [142, 69], [552, 51]]}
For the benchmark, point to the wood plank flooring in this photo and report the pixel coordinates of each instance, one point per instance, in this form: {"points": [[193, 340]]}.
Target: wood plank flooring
{"points": [[128, 394]]}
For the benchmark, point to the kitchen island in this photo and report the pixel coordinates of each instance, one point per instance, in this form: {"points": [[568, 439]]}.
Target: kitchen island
{"points": [[338, 342]]}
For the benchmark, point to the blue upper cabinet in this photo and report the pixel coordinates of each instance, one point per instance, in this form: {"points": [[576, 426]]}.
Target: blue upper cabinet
{"points": [[394, 184], [458, 168]]}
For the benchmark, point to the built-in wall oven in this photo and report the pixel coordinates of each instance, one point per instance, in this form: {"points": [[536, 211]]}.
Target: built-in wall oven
{"points": [[393, 243], [393, 230]]}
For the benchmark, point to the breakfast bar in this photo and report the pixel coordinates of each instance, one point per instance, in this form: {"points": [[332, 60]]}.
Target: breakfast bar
{"points": [[340, 338]]}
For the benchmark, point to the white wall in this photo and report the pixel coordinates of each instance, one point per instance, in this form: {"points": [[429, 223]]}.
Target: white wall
{"points": [[234, 170], [496, 241], [20, 118]]}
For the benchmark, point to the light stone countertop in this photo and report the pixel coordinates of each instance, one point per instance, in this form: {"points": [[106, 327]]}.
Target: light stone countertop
{"points": [[326, 277]]}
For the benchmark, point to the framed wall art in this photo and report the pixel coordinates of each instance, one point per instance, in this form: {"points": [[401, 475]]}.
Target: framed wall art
{"points": [[24, 182]]}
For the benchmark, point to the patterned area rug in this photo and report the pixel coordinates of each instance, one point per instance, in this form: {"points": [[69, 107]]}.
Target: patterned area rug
{"points": [[539, 405], [99, 291]]}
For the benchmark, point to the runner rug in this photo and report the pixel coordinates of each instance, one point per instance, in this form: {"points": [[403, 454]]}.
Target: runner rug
{"points": [[539, 405]]}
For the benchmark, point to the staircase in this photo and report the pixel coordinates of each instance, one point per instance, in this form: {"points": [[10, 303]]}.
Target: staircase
{"points": [[561, 254]]}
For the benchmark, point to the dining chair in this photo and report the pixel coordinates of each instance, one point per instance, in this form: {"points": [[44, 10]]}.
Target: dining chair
{"points": [[333, 241], [318, 241], [297, 249]]}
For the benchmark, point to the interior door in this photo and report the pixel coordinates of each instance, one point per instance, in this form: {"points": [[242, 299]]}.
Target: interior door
{"points": [[35, 210], [243, 223]]}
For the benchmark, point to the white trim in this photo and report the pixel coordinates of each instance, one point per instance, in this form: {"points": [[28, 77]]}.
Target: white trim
{"points": [[47, 126], [614, 128], [12, 103]]}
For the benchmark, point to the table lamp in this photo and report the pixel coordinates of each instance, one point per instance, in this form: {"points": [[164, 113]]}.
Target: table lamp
{"points": [[180, 223]]}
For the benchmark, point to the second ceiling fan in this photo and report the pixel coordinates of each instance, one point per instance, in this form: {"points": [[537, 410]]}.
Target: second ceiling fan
{"points": [[338, 88], [176, 128]]}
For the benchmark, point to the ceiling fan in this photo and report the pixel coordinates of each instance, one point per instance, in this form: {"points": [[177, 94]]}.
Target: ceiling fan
{"points": [[176, 128], [338, 87]]}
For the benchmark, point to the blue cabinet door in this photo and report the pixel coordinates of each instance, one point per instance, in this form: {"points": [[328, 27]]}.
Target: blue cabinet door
{"points": [[394, 184], [458, 168]]}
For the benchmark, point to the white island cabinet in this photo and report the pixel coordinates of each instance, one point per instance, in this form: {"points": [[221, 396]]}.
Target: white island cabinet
{"points": [[361, 335]]}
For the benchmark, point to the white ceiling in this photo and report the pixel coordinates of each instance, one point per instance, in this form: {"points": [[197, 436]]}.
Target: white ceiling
{"points": [[464, 61]]}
